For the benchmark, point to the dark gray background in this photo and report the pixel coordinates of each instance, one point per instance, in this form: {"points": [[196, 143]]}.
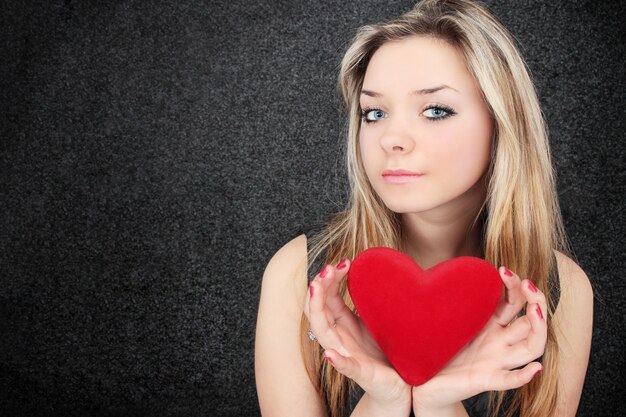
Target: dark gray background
{"points": [[154, 155]]}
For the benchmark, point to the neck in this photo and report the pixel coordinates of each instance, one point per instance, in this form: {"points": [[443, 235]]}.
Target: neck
{"points": [[445, 232]]}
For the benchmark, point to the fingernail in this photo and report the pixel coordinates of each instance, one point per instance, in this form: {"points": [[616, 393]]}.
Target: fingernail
{"points": [[328, 358], [324, 272], [508, 272], [342, 264], [311, 290], [539, 313], [532, 287], [538, 371]]}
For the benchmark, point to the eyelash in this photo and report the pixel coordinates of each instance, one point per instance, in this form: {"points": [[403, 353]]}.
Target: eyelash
{"points": [[449, 112], [365, 111]]}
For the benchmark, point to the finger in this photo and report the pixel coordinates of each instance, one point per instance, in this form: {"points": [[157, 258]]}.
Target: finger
{"points": [[513, 300], [534, 345], [534, 296], [346, 365], [506, 380], [317, 304], [340, 271], [323, 330], [320, 281], [517, 331], [335, 300], [531, 346], [536, 341], [328, 280], [536, 312]]}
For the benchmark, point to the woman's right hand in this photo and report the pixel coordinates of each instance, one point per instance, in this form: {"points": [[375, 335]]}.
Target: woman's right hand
{"points": [[350, 347]]}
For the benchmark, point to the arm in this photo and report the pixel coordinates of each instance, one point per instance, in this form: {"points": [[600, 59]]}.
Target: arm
{"points": [[283, 385], [574, 321]]}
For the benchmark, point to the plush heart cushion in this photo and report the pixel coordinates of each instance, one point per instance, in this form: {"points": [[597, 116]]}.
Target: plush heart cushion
{"points": [[421, 319]]}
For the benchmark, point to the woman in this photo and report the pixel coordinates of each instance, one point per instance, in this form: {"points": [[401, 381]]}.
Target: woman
{"points": [[447, 156]]}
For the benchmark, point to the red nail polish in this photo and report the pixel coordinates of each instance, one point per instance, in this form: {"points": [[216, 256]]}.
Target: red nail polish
{"points": [[538, 371], [342, 264], [311, 290], [539, 313], [328, 358], [324, 272], [508, 272], [532, 287]]}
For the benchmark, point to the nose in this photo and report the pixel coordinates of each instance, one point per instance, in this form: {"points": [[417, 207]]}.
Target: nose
{"points": [[398, 137]]}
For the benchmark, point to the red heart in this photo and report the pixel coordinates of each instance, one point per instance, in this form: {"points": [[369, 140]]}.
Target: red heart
{"points": [[421, 319]]}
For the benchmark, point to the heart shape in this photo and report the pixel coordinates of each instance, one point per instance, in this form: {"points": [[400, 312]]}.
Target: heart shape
{"points": [[421, 319]]}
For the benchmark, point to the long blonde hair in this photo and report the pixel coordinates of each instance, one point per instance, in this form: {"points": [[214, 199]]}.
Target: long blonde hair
{"points": [[521, 218]]}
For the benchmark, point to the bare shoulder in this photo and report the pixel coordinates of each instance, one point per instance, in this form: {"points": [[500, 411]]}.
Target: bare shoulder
{"points": [[283, 384], [575, 285], [286, 268], [573, 321], [283, 288]]}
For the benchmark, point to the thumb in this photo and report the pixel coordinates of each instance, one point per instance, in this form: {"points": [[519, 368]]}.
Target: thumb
{"points": [[343, 364]]}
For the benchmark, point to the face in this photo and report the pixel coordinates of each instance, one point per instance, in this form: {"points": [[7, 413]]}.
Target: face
{"points": [[425, 133]]}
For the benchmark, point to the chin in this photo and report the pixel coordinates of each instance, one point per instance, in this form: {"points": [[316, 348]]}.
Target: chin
{"points": [[407, 206]]}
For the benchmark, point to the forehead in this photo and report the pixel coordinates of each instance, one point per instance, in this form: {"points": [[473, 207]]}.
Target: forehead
{"points": [[415, 63]]}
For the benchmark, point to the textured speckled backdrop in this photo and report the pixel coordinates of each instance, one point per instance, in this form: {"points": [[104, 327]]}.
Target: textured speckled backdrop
{"points": [[154, 155]]}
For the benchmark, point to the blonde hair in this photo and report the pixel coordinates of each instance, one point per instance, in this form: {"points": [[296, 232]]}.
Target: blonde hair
{"points": [[522, 223]]}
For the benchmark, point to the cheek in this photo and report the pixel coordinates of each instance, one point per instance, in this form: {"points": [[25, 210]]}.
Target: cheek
{"points": [[367, 151], [465, 151]]}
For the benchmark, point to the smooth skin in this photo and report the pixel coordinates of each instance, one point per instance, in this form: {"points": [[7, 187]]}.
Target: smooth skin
{"points": [[438, 211]]}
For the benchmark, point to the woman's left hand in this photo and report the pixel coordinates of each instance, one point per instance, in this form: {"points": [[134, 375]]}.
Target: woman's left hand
{"points": [[490, 361]]}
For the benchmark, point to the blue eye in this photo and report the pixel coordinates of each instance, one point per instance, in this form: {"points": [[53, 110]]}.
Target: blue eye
{"points": [[438, 112], [372, 115]]}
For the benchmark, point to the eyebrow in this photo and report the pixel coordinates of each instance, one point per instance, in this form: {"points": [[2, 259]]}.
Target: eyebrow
{"points": [[421, 92]]}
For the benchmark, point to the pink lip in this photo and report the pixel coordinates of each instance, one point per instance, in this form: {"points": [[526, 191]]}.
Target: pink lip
{"points": [[400, 176]]}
